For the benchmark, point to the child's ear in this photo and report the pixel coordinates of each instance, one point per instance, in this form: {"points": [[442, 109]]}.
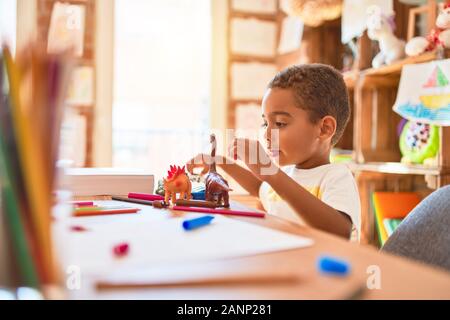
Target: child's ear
{"points": [[328, 127]]}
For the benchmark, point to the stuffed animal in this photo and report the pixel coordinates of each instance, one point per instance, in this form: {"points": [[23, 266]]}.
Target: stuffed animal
{"points": [[438, 37], [216, 186], [177, 181], [381, 28]]}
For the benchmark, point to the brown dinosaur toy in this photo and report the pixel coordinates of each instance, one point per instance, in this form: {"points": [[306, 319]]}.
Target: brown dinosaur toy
{"points": [[177, 181], [216, 186]]}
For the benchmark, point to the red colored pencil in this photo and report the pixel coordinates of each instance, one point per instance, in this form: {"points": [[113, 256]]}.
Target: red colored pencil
{"points": [[83, 203], [222, 211], [145, 196]]}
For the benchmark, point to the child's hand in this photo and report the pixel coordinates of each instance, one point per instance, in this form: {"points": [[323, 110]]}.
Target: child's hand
{"points": [[201, 160], [252, 153]]}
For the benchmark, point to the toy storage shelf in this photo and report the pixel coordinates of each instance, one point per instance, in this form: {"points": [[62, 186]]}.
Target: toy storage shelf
{"points": [[376, 153], [397, 168], [394, 69]]}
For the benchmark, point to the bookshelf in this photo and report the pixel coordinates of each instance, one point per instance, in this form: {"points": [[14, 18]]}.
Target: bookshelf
{"points": [[84, 110], [376, 153], [265, 17]]}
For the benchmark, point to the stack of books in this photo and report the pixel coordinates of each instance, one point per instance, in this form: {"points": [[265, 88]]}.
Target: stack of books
{"points": [[107, 181], [390, 209]]}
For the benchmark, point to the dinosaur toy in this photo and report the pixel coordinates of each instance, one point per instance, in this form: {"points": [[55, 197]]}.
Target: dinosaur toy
{"points": [[177, 181], [216, 186]]}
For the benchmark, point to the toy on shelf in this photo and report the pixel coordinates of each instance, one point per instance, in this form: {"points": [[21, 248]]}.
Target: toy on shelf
{"points": [[419, 143], [177, 181], [438, 37], [381, 28], [216, 186], [160, 188]]}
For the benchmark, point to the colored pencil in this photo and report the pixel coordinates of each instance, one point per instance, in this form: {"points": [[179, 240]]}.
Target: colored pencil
{"points": [[222, 211]]}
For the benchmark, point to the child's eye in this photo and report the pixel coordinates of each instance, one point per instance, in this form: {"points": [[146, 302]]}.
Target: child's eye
{"points": [[280, 124]]}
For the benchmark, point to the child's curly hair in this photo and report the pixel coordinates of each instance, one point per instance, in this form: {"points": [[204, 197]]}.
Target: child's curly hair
{"points": [[319, 89]]}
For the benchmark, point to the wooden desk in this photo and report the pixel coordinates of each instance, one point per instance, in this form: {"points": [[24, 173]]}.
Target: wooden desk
{"points": [[400, 278]]}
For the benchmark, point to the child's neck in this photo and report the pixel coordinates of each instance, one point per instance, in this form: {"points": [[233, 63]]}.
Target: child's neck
{"points": [[316, 160]]}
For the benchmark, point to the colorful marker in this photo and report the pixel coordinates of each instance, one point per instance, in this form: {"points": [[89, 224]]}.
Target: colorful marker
{"points": [[332, 265], [197, 222]]}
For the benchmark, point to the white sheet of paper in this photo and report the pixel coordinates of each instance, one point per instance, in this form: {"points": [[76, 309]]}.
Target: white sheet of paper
{"points": [[156, 237], [250, 80], [253, 37], [255, 6], [291, 35]]}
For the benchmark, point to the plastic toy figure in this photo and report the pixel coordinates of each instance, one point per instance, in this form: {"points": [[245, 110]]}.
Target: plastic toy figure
{"points": [[177, 181], [216, 186]]}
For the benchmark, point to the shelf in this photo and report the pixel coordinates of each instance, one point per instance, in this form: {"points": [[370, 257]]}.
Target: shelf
{"points": [[387, 75], [249, 58], [396, 67], [396, 168], [251, 15]]}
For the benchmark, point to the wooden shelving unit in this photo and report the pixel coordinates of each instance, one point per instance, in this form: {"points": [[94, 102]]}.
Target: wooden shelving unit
{"points": [[376, 162], [397, 168], [44, 10]]}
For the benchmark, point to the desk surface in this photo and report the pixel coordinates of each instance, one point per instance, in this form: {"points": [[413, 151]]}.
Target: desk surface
{"points": [[399, 278]]}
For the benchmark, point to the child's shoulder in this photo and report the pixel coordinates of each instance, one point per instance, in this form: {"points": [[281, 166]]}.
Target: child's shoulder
{"points": [[328, 173]]}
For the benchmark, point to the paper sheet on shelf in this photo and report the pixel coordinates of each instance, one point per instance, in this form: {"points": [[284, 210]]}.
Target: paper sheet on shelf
{"points": [[250, 80], [66, 30], [424, 93], [291, 35], [156, 237], [253, 37]]}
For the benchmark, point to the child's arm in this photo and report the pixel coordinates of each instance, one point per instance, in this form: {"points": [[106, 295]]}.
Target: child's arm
{"points": [[242, 176], [312, 210]]}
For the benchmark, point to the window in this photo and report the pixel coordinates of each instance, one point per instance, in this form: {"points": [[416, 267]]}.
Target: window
{"points": [[8, 16], [161, 95]]}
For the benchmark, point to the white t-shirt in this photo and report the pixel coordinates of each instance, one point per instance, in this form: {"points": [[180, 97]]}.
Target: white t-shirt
{"points": [[332, 183]]}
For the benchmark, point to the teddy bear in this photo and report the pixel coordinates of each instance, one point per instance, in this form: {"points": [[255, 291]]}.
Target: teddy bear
{"points": [[381, 28], [438, 37]]}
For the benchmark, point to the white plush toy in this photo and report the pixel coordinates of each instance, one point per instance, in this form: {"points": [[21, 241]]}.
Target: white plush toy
{"points": [[381, 28], [439, 36]]}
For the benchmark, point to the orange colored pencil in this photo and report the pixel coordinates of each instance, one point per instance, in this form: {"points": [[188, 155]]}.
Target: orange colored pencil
{"points": [[83, 213]]}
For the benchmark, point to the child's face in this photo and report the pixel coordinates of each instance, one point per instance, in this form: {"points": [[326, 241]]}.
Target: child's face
{"points": [[299, 140]]}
